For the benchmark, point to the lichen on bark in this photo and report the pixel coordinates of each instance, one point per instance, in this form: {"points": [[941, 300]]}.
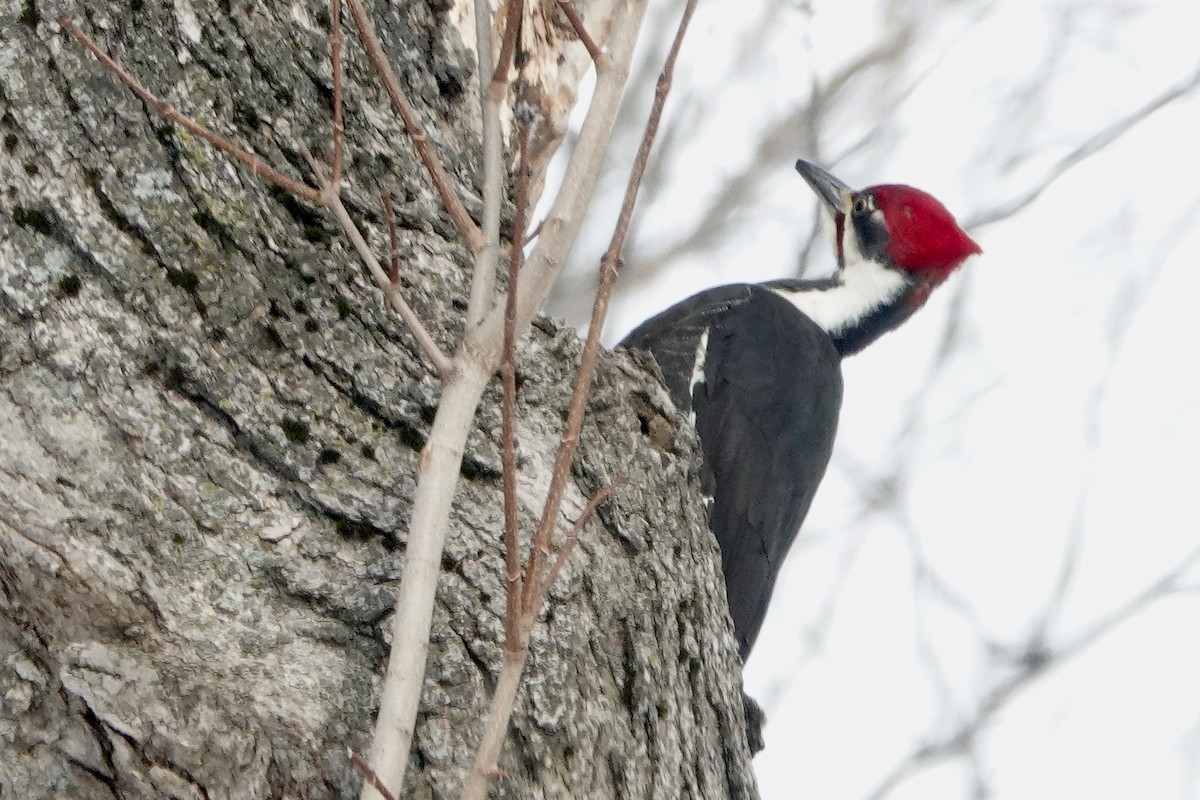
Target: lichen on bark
{"points": [[211, 425]]}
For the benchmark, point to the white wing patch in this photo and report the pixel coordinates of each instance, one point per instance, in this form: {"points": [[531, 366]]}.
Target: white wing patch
{"points": [[697, 374]]}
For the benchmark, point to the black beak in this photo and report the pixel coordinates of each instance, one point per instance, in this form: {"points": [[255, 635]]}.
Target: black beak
{"points": [[837, 195]]}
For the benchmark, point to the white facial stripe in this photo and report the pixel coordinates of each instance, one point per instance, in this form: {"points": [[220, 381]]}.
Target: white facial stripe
{"points": [[851, 253]]}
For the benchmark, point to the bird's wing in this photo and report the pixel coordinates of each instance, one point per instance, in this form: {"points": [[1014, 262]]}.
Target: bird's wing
{"points": [[766, 411], [674, 336]]}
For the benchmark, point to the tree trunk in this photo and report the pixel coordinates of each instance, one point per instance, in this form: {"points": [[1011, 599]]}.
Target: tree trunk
{"points": [[209, 429]]}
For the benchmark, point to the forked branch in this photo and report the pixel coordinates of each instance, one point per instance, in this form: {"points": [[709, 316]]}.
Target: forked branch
{"points": [[326, 194], [508, 43], [369, 775], [568, 9], [255, 164], [610, 265], [508, 407], [564, 550], [534, 585], [467, 228]]}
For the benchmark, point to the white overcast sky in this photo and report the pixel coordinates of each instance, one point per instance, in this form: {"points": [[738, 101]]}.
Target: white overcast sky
{"points": [[1036, 482]]}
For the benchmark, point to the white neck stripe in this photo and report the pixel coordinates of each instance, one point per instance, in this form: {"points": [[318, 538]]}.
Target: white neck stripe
{"points": [[862, 287]]}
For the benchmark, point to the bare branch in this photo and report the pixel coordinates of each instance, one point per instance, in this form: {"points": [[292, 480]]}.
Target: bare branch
{"points": [[255, 164], [533, 234], [393, 241], [477, 360], [335, 56], [326, 195], [661, 90], [568, 9], [568, 545], [333, 201], [1094, 144], [496, 725], [508, 408], [416, 131], [369, 774], [610, 266], [483, 278], [512, 28]]}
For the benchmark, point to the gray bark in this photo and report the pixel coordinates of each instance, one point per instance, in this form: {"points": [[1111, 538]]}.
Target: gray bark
{"points": [[209, 433]]}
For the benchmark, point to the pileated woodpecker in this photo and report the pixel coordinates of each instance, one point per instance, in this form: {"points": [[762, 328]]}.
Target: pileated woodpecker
{"points": [[758, 368]]}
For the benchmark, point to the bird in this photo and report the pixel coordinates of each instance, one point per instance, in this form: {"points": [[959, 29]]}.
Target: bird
{"points": [[757, 369]]}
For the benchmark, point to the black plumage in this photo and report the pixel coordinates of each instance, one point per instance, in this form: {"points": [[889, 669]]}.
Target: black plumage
{"points": [[758, 366], [765, 399]]}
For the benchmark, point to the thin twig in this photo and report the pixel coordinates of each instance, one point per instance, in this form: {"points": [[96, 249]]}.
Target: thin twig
{"points": [[369, 774], [568, 8], [610, 266], [512, 27], [566, 214], [508, 406], [333, 201], [533, 234], [440, 463], [325, 195], [335, 56], [539, 550], [255, 164], [661, 90], [491, 100], [393, 239], [560, 558], [1094, 144], [495, 728], [416, 131]]}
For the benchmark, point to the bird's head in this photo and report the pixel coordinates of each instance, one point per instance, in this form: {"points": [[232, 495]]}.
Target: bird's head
{"points": [[892, 225]]}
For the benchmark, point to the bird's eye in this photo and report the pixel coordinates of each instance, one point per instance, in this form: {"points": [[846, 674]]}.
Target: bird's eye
{"points": [[862, 205]]}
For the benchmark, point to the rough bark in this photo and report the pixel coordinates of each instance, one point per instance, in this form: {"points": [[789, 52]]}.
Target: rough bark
{"points": [[209, 427]]}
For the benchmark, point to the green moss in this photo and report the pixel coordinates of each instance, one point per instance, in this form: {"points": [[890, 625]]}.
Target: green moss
{"points": [[207, 221], [273, 337], [329, 456], [368, 451], [308, 219], [316, 234], [356, 530], [246, 116], [31, 168], [33, 219], [10, 142], [183, 278], [342, 306], [70, 285], [29, 14], [175, 378], [311, 326], [296, 431]]}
